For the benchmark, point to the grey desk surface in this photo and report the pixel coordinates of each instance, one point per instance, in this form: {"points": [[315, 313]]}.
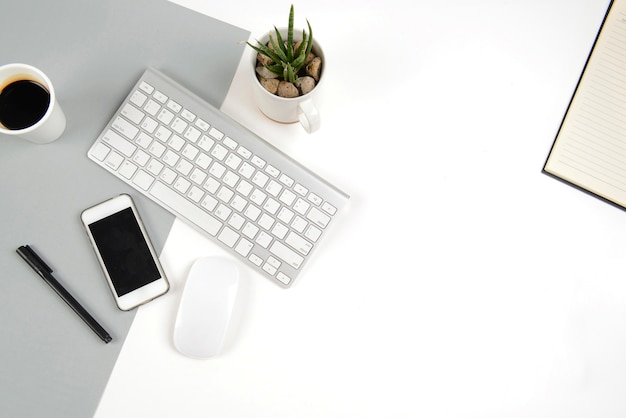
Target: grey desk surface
{"points": [[93, 51]]}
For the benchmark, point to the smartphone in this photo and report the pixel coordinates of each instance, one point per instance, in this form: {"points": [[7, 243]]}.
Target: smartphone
{"points": [[124, 251]]}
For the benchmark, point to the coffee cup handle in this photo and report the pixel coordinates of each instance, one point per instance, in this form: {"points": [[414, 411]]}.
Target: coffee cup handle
{"points": [[309, 116]]}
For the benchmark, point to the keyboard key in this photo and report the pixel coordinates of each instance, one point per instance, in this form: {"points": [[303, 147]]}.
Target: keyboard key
{"points": [[238, 203], [170, 158], [127, 169], [125, 127], [286, 180], [203, 125], [209, 203], [192, 134], [315, 199], [280, 230], [287, 197], [258, 161], [188, 115], [298, 243], [132, 113], [141, 158], [301, 206], [300, 189], [119, 143], [228, 236], [283, 277], [165, 116], [160, 97], [219, 152], [204, 161], [328, 208], [273, 262], [272, 171], [317, 217], [255, 259], [269, 269], [143, 140], [266, 221], [264, 239], [286, 254], [138, 98], [230, 143], [312, 233], [176, 143], [212, 185], [225, 194], [100, 151], [149, 125], [246, 170], [179, 125], [198, 176], [168, 176], [244, 247], [155, 167], [114, 160], [206, 143], [215, 133], [195, 194], [156, 149], [184, 167], [233, 161], [190, 152], [285, 215], [162, 134], [260, 179], [250, 230], [174, 106], [244, 188], [143, 180], [258, 197], [222, 212], [273, 188], [299, 224], [217, 170], [271, 206], [244, 152], [152, 107], [252, 212], [236, 221], [181, 205], [146, 87], [230, 179], [182, 185]]}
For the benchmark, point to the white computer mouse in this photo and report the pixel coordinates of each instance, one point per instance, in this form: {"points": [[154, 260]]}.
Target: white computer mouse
{"points": [[206, 306]]}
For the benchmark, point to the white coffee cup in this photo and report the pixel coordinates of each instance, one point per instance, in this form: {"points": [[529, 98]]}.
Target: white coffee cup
{"points": [[288, 110], [43, 129]]}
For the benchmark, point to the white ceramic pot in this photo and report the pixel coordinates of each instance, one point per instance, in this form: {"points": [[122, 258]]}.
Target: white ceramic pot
{"points": [[289, 110]]}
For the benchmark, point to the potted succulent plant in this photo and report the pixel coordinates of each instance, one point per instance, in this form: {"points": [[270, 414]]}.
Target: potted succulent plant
{"points": [[287, 73]]}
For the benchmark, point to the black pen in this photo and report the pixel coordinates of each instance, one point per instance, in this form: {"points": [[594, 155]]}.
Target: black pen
{"points": [[45, 272]]}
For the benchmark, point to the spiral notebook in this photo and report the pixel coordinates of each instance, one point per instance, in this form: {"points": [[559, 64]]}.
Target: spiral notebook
{"points": [[589, 151]]}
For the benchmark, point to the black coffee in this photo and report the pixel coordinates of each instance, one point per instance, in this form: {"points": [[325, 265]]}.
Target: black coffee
{"points": [[22, 104]]}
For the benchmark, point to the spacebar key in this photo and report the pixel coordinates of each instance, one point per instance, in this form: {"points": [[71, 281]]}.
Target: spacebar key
{"points": [[185, 208]]}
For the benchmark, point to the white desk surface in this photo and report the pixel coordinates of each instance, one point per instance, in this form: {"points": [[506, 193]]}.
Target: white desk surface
{"points": [[461, 281]]}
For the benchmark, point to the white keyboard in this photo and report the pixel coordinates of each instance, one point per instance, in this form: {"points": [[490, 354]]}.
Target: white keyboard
{"points": [[222, 179]]}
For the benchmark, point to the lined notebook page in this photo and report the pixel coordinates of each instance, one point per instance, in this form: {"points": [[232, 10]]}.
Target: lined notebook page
{"points": [[590, 148]]}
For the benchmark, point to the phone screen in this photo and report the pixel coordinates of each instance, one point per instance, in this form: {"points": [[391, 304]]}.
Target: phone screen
{"points": [[124, 251]]}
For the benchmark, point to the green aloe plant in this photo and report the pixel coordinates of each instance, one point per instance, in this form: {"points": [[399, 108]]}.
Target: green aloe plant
{"points": [[288, 56]]}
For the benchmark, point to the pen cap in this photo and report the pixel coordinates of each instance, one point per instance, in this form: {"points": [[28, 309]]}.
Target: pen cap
{"points": [[32, 258]]}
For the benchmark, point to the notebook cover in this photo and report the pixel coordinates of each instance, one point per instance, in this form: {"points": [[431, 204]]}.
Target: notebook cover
{"points": [[554, 175]]}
